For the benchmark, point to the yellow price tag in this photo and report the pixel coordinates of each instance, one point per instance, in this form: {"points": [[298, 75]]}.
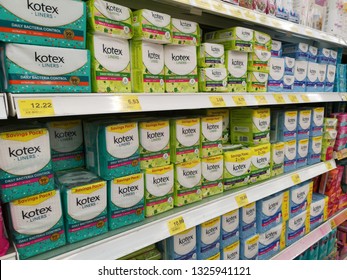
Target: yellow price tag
{"points": [[329, 165], [217, 101], [235, 12], [305, 98], [293, 98], [309, 33], [333, 224], [205, 4], [239, 100], [296, 179], [279, 98], [295, 29], [131, 103], [176, 225], [249, 15], [218, 6], [261, 99], [35, 108], [241, 199], [263, 19]]}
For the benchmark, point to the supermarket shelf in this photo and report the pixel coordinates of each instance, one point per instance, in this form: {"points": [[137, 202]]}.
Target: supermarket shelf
{"points": [[3, 106], [137, 236], [10, 256], [311, 238], [98, 103]]}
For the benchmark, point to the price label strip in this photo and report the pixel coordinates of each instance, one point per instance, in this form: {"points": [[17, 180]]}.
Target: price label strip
{"points": [[333, 224], [305, 98], [217, 101], [296, 179], [261, 99], [279, 98], [329, 166], [293, 98], [176, 225], [131, 103], [29, 108], [239, 100], [204, 4], [241, 199]]}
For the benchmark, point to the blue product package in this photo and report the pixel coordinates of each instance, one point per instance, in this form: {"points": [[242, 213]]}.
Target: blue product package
{"points": [[322, 75], [248, 219], [330, 79], [282, 9], [287, 124], [300, 75], [312, 54], [302, 152], [276, 48], [298, 51], [323, 247], [318, 210], [249, 248], [317, 121], [312, 77], [275, 81], [298, 198], [333, 57], [323, 56], [296, 228], [288, 83], [289, 65], [314, 150], [231, 252], [304, 123], [269, 242], [230, 228], [208, 238], [182, 246], [269, 212], [290, 155]]}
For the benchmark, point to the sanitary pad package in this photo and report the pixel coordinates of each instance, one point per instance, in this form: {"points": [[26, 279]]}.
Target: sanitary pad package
{"points": [[318, 210], [269, 242], [298, 198], [248, 218], [269, 212], [276, 74], [185, 32], [236, 64], [211, 55], [212, 175], [260, 167], [230, 228], [208, 238], [277, 158], [296, 228], [211, 136], [249, 248], [231, 252]]}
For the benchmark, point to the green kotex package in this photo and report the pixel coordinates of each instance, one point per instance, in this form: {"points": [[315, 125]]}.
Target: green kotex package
{"points": [[112, 148], [44, 23], [257, 82], [152, 26], [225, 113], [236, 64], [147, 65], [212, 175], [84, 197], [110, 64], [30, 68], [260, 167], [212, 79], [181, 72], [262, 41], [211, 55], [185, 139], [277, 159], [259, 61], [185, 32], [109, 19], [211, 136]]}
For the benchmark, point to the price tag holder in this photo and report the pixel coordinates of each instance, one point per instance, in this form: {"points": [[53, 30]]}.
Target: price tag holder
{"points": [[131, 103], [305, 98], [296, 179], [333, 224], [217, 101], [261, 99], [329, 165], [249, 15], [293, 98], [239, 100], [31, 108], [241, 199], [279, 98], [176, 225]]}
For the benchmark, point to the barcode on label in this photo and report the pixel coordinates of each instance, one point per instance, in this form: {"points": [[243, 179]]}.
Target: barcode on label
{"points": [[243, 139]]}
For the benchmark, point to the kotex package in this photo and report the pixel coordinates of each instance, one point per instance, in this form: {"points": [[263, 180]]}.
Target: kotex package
{"points": [[208, 238], [249, 248], [211, 55], [229, 228], [296, 228], [248, 220], [299, 198], [269, 242], [212, 175], [236, 65], [276, 74], [185, 32]]}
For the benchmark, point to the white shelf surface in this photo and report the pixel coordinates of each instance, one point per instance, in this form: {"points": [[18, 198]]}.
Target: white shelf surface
{"points": [[3, 106], [10, 256], [311, 238], [116, 244], [97, 103]]}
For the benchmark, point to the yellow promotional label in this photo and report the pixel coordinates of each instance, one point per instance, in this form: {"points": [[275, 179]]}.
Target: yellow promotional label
{"points": [[239, 100], [231, 212], [307, 222], [261, 113], [238, 155], [325, 214], [155, 125], [261, 149], [293, 98], [291, 143], [218, 112], [23, 135], [130, 103], [285, 206], [121, 128], [241, 199], [261, 99], [34, 199], [232, 247], [305, 98], [216, 257], [253, 240], [189, 164], [88, 189], [65, 124], [211, 222], [279, 98], [159, 170], [176, 225], [329, 166], [296, 179], [303, 141], [214, 159], [309, 195], [278, 146], [217, 101], [188, 122], [29, 108], [319, 110], [291, 114], [317, 139], [212, 119], [127, 180]]}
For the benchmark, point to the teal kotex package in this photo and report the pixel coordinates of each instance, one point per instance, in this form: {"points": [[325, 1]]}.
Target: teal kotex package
{"points": [[44, 22], [248, 220], [298, 198], [230, 228], [36, 223], [84, 197], [112, 148], [25, 162], [269, 212], [296, 228], [126, 200], [208, 238], [67, 147], [38, 69], [269, 242]]}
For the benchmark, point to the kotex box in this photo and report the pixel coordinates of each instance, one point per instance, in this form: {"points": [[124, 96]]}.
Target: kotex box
{"points": [[212, 176], [277, 159], [269, 212], [298, 51], [25, 162], [229, 228], [84, 197], [318, 210], [231, 252], [147, 67], [260, 163], [185, 139], [225, 113], [284, 124], [249, 248], [312, 54], [290, 155], [185, 32], [304, 123], [289, 65], [125, 200], [276, 48], [257, 82], [237, 168], [329, 82], [212, 79], [44, 23], [322, 74], [312, 77], [269, 242], [110, 19], [159, 190], [317, 120], [288, 83], [111, 70], [236, 64], [211, 136], [248, 220], [314, 150], [36, 223], [333, 57], [323, 56], [31, 68], [300, 75], [152, 26], [67, 145], [262, 41], [276, 74], [208, 238], [282, 9], [299, 198], [302, 152], [211, 55], [181, 73], [258, 61], [296, 228], [181, 246], [187, 187]]}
